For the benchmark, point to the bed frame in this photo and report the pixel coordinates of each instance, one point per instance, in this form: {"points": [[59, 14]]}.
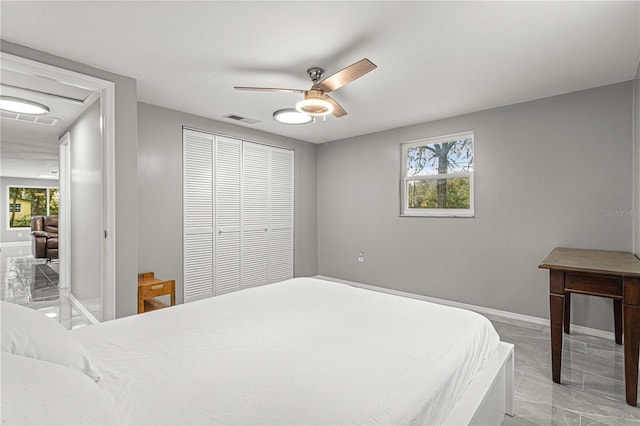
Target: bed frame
{"points": [[489, 396]]}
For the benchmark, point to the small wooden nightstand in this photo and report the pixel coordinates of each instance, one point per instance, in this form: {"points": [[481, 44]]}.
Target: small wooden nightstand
{"points": [[150, 287], [611, 274]]}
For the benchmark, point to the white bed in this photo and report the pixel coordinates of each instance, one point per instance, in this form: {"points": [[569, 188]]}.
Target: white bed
{"points": [[304, 351]]}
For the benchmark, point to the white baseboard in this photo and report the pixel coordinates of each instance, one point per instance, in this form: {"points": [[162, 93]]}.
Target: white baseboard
{"points": [[80, 307], [15, 244], [592, 331], [479, 309]]}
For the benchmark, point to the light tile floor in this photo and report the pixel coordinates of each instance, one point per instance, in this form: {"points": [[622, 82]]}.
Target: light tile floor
{"points": [[592, 390], [24, 281]]}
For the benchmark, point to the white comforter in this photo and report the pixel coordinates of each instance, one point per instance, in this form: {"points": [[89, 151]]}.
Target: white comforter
{"points": [[304, 351]]}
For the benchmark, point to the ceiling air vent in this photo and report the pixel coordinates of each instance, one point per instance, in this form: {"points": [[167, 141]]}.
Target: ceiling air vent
{"points": [[243, 119], [28, 118]]}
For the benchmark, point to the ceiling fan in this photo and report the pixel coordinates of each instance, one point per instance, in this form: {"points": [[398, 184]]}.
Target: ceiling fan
{"points": [[316, 102]]}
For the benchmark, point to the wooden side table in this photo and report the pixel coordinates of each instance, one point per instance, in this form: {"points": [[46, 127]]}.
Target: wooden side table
{"points": [[611, 274], [150, 287]]}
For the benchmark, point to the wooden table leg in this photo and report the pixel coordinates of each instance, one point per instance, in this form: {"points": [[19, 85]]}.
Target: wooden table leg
{"points": [[631, 331], [631, 345], [617, 318], [567, 312], [556, 317]]}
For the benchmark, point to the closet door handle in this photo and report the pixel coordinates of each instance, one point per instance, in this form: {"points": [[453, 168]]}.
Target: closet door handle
{"points": [[220, 231], [266, 229]]}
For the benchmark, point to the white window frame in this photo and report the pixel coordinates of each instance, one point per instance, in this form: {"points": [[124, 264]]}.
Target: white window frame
{"points": [[8, 221], [405, 211]]}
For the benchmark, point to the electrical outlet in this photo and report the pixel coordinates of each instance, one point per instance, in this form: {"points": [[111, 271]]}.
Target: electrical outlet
{"points": [[19, 234], [360, 256]]}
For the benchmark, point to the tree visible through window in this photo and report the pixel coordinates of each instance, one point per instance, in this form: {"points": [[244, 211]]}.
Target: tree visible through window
{"points": [[438, 176], [25, 202]]}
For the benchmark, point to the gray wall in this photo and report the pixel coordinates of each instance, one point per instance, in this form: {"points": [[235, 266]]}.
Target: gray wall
{"points": [[636, 162], [547, 173], [86, 205], [126, 160], [11, 236], [160, 190]]}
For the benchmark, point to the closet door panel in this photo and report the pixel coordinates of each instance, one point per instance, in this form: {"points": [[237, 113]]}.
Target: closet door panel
{"points": [[198, 215], [255, 261], [255, 186], [255, 214], [198, 266], [281, 251], [281, 215], [198, 180], [228, 214], [227, 262]]}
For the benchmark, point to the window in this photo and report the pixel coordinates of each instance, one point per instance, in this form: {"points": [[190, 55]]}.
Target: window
{"points": [[25, 202], [437, 176]]}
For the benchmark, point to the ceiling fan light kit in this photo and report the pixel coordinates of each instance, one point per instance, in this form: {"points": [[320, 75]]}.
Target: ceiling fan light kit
{"points": [[314, 103], [22, 106]]}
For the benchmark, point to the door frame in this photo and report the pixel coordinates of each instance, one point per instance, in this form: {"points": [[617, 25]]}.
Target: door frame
{"points": [[64, 212], [106, 90]]}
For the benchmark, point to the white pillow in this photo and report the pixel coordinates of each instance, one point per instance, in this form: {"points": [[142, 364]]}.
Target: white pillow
{"points": [[28, 332], [42, 393]]}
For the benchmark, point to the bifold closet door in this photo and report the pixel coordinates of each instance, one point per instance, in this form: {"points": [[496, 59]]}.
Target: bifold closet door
{"points": [[255, 214], [267, 214], [228, 263], [281, 215], [238, 214], [198, 215]]}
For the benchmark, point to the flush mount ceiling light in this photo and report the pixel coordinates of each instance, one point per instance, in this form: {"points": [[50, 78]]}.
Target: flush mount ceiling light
{"points": [[53, 174], [314, 104], [22, 106], [291, 116]]}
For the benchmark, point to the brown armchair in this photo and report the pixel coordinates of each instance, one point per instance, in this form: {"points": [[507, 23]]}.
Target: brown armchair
{"points": [[44, 233]]}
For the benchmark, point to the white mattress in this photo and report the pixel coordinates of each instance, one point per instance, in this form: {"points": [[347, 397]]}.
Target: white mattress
{"points": [[304, 351]]}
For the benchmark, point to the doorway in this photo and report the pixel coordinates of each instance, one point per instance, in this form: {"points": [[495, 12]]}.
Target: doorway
{"points": [[94, 98]]}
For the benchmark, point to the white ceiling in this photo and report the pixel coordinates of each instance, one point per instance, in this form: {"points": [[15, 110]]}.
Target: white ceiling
{"points": [[28, 149], [435, 59]]}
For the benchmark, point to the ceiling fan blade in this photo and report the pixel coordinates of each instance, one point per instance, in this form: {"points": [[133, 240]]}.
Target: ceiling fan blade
{"points": [[269, 89], [346, 75], [338, 111]]}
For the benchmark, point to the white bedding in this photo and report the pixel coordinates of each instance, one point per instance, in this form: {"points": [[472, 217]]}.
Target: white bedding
{"points": [[304, 351]]}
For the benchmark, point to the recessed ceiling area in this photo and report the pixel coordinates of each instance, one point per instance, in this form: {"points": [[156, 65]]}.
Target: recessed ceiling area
{"points": [[28, 143], [435, 59]]}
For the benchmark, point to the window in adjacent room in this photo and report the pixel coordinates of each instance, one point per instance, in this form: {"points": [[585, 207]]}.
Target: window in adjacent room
{"points": [[437, 176], [25, 202]]}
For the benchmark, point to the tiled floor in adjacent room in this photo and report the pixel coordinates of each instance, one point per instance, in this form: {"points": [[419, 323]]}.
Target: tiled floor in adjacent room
{"points": [[33, 282], [592, 390]]}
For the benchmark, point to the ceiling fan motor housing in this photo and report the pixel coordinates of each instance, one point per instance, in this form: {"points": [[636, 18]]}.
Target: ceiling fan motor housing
{"points": [[315, 73]]}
